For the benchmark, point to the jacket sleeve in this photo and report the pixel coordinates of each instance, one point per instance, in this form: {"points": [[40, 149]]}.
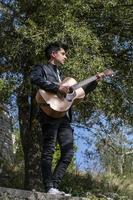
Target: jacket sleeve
{"points": [[38, 78], [90, 87]]}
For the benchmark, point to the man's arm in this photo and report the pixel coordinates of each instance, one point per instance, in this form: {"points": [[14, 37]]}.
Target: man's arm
{"points": [[38, 77], [91, 86]]}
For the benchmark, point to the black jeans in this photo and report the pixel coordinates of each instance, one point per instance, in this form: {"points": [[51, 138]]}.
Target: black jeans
{"points": [[55, 130]]}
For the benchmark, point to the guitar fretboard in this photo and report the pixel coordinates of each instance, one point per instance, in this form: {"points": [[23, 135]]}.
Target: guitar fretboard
{"points": [[84, 82]]}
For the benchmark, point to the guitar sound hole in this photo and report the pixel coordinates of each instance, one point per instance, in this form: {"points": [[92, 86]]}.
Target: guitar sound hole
{"points": [[70, 96]]}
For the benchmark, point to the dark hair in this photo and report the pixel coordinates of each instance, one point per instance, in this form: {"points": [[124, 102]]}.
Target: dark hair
{"points": [[55, 46]]}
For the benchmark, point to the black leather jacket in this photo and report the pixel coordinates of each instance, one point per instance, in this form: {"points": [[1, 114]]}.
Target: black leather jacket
{"points": [[45, 77]]}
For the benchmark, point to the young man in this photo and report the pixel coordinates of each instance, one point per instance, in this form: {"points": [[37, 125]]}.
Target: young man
{"points": [[47, 78]]}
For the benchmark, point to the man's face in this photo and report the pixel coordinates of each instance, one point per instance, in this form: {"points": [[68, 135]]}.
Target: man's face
{"points": [[59, 56]]}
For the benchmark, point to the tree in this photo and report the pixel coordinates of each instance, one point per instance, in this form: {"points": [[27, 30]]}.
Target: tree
{"points": [[92, 30]]}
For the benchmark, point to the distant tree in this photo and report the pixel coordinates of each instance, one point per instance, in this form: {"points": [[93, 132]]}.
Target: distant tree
{"points": [[113, 146]]}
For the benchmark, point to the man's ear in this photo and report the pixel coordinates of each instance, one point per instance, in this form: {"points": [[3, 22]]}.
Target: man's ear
{"points": [[53, 54]]}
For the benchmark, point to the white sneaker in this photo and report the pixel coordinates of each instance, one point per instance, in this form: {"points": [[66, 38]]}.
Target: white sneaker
{"points": [[67, 195], [55, 191]]}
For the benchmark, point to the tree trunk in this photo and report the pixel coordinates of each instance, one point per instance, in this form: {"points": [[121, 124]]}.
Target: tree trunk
{"points": [[30, 134]]}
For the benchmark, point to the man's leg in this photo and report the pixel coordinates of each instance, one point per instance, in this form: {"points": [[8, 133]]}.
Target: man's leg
{"points": [[48, 147], [65, 140]]}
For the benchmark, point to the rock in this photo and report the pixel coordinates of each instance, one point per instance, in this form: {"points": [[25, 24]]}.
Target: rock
{"points": [[15, 194]]}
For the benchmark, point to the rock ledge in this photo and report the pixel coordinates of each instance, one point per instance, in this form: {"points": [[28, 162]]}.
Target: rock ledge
{"points": [[17, 194]]}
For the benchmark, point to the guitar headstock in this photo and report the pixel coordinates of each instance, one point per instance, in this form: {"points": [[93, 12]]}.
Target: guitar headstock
{"points": [[109, 72]]}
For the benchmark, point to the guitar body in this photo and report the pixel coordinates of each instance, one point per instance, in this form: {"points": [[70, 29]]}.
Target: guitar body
{"points": [[56, 106]]}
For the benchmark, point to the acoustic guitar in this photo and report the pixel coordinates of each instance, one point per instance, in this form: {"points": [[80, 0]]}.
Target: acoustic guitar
{"points": [[56, 105]]}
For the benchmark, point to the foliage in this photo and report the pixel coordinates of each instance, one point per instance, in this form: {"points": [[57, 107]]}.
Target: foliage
{"points": [[98, 185], [113, 144], [13, 174], [6, 89], [121, 185], [99, 34]]}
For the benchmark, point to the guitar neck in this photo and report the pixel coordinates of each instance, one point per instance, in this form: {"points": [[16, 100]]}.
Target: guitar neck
{"points": [[84, 82]]}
